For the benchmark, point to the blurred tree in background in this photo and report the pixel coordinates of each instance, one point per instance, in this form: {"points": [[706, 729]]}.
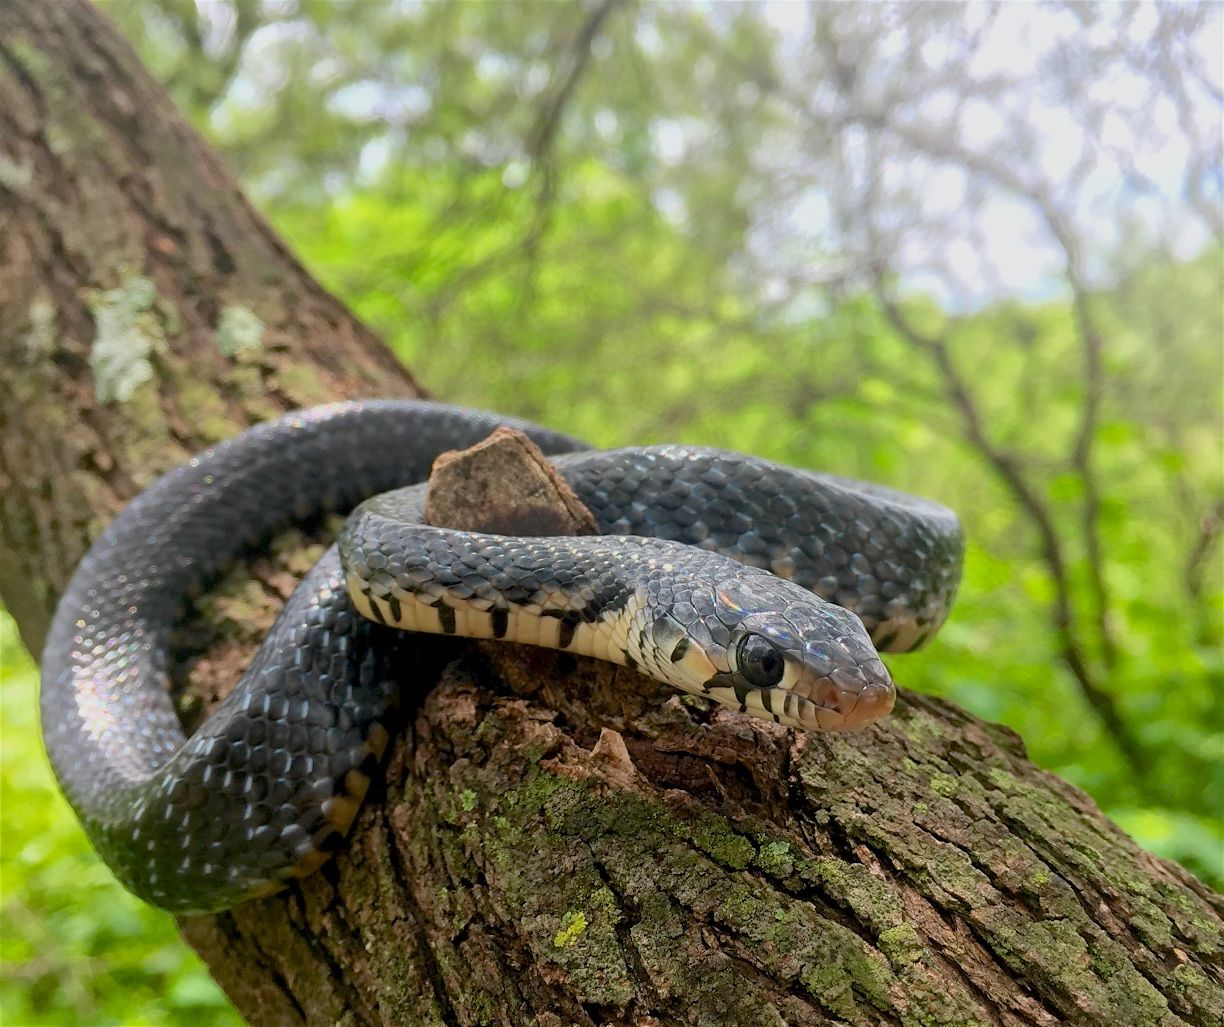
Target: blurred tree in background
{"points": [[972, 251]]}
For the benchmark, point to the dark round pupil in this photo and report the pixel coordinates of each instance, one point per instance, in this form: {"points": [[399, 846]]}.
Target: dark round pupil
{"points": [[759, 662]]}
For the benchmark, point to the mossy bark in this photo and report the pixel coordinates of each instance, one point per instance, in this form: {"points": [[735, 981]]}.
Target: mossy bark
{"points": [[558, 841], [146, 309]]}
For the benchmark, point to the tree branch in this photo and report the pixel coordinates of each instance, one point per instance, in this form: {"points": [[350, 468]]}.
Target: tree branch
{"points": [[1006, 467], [539, 143], [1210, 525]]}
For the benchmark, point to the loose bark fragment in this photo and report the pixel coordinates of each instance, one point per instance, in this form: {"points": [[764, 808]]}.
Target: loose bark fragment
{"points": [[507, 486]]}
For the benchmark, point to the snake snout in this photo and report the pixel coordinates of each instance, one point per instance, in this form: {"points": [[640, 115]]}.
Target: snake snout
{"points": [[871, 702], [847, 699]]}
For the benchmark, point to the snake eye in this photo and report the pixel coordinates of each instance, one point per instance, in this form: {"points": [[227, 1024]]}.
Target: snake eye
{"points": [[760, 664]]}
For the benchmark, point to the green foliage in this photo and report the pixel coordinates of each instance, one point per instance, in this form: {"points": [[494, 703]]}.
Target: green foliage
{"points": [[75, 948]]}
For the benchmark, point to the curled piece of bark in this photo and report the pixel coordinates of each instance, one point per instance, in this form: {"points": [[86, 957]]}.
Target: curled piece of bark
{"points": [[504, 485]]}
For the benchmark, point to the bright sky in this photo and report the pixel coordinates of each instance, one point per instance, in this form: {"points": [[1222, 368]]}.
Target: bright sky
{"points": [[1006, 249]]}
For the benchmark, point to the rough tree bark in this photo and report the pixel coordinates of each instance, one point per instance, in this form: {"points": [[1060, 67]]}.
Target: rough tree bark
{"points": [[558, 841]]}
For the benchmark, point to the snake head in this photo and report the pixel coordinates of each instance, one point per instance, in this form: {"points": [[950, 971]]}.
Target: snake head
{"points": [[774, 650]]}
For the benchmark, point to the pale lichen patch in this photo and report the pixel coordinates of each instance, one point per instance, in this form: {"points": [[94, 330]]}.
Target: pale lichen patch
{"points": [[15, 177], [776, 858], [239, 329], [38, 341], [126, 334]]}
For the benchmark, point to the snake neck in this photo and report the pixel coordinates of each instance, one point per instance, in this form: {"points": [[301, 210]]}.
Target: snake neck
{"points": [[473, 585], [603, 629], [627, 628]]}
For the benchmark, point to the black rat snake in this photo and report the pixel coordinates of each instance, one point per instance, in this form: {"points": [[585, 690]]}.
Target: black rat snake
{"points": [[727, 576]]}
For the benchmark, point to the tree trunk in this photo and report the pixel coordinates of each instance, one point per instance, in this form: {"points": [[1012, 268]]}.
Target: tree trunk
{"points": [[558, 841]]}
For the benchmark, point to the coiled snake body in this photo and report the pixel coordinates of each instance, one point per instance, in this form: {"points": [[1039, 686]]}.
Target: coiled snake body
{"points": [[274, 777]]}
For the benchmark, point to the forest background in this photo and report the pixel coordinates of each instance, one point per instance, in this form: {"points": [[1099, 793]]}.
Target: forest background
{"points": [[972, 252]]}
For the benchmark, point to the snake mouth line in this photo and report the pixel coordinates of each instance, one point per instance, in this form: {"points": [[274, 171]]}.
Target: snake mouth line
{"points": [[874, 702], [790, 708]]}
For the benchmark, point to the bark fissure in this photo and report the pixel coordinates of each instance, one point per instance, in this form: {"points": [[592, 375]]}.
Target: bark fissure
{"points": [[265, 964], [420, 933]]}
